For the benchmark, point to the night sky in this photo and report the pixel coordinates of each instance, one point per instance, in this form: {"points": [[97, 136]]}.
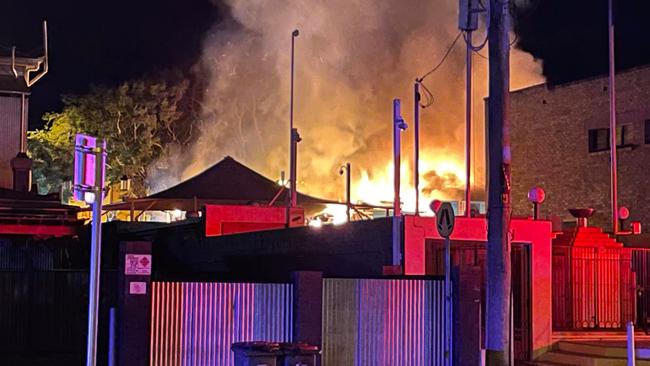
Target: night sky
{"points": [[112, 41]]}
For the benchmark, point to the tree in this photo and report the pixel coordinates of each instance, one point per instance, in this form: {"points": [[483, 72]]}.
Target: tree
{"points": [[141, 120]]}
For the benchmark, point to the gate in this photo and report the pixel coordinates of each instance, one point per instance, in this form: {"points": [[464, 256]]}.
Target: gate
{"points": [[474, 254], [196, 323], [521, 302], [593, 288], [383, 322], [641, 268]]}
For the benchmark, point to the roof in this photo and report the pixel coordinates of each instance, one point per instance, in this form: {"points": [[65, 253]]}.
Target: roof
{"points": [[31, 213], [227, 181]]}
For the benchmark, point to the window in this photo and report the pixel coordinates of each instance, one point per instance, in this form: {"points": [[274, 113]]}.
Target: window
{"points": [[623, 137], [647, 131], [599, 137]]}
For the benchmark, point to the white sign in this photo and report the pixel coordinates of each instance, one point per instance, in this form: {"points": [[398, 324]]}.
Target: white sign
{"points": [[137, 264], [137, 288]]}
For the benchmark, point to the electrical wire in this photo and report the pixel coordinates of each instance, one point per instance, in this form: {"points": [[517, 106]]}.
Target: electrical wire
{"points": [[442, 61], [428, 96]]}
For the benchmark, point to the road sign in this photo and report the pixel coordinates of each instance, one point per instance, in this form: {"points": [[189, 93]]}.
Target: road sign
{"points": [[445, 219], [137, 264]]}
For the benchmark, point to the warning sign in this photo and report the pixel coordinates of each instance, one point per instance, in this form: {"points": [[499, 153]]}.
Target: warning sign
{"points": [[137, 264], [137, 288]]}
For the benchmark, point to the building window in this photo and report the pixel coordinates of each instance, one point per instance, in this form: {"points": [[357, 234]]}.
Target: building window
{"points": [[623, 135], [599, 137], [647, 131]]}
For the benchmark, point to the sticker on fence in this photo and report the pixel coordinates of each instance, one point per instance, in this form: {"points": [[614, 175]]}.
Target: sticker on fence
{"points": [[137, 264], [137, 288]]}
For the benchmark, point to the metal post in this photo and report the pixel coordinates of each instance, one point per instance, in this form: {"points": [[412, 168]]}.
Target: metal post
{"points": [[112, 323], [347, 191], [416, 144], [468, 125], [295, 139], [95, 255], [23, 123], [448, 304], [292, 182], [398, 125], [612, 119], [535, 210], [631, 354]]}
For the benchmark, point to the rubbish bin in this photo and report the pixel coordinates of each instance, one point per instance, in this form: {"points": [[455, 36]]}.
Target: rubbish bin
{"points": [[257, 354], [299, 354]]}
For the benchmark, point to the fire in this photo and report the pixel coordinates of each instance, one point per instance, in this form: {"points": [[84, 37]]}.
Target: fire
{"points": [[440, 178], [378, 190]]}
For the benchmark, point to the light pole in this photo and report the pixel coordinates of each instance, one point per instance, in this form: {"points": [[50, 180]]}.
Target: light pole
{"points": [[612, 118], [346, 167], [292, 163]]}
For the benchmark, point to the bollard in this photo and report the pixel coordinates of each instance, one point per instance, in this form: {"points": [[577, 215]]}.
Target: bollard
{"points": [[630, 344], [111, 336]]}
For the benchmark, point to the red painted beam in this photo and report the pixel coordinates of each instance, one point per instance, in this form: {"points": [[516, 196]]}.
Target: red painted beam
{"points": [[50, 230]]}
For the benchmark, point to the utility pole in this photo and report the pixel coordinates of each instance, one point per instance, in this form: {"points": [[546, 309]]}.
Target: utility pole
{"points": [[499, 158]]}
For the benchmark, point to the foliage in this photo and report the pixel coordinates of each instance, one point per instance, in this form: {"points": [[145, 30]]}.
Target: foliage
{"points": [[141, 120]]}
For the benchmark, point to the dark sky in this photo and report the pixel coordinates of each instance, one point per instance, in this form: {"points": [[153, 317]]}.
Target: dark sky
{"points": [[106, 42], [103, 42]]}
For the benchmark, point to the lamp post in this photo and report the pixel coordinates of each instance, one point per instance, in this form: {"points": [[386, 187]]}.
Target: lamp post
{"points": [[346, 168], [292, 163]]}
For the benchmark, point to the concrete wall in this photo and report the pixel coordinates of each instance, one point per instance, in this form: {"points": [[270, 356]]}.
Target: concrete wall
{"points": [[550, 148]]}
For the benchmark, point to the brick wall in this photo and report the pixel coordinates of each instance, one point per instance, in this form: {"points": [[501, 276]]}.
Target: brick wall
{"points": [[550, 148]]}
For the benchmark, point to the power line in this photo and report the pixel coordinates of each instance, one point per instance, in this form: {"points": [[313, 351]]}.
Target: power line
{"points": [[451, 47]]}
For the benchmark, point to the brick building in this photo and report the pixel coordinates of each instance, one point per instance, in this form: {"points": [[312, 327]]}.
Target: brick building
{"points": [[560, 141]]}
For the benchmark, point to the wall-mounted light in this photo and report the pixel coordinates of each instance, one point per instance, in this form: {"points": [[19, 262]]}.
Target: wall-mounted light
{"points": [[125, 184]]}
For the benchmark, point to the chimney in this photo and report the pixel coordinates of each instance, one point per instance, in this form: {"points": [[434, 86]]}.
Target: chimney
{"points": [[22, 168]]}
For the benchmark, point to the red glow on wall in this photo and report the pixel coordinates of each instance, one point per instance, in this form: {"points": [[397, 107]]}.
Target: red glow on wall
{"points": [[231, 219], [536, 233]]}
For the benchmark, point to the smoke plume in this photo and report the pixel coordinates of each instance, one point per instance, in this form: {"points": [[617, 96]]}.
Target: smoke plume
{"points": [[352, 58]]}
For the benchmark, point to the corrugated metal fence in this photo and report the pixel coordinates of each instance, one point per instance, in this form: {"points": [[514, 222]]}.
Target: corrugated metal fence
{"points": [[383, 322], [196, 323]]}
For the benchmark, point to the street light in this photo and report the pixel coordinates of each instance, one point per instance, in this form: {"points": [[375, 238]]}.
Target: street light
{"points": [[292, 163], [346, 168]]}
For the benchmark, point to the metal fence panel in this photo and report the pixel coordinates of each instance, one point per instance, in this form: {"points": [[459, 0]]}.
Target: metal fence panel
{"points": [[593, 288], [383, 322], [196, 323]]}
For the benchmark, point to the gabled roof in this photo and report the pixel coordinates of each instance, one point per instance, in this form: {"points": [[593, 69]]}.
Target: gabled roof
{"points": [[227, 181]]}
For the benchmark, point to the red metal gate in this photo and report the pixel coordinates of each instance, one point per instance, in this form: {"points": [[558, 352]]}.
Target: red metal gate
{"points": [[521, 301], [593, 288]]}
